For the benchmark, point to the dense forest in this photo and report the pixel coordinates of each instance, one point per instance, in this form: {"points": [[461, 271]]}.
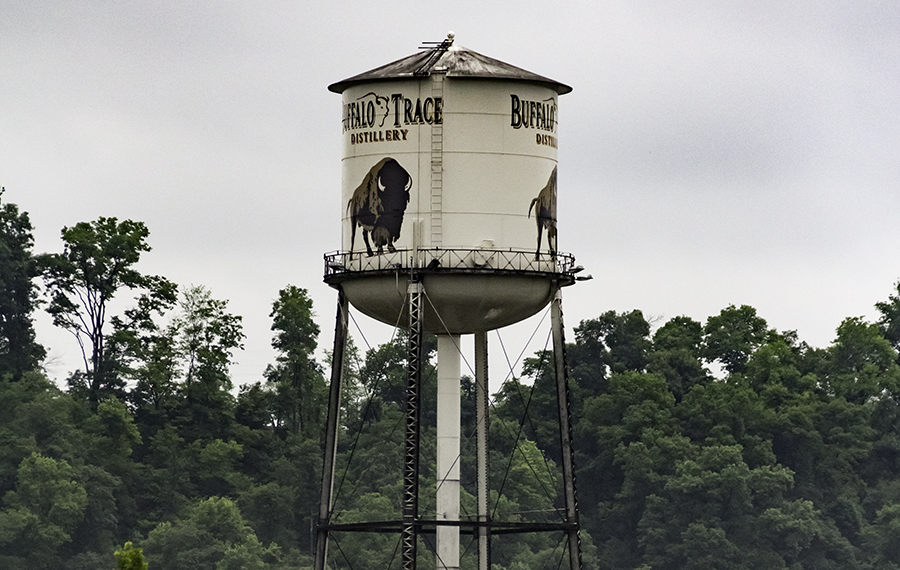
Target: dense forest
{"points": [[786, 456]]}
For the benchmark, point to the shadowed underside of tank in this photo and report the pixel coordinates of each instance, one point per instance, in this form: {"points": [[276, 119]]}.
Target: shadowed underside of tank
{"points": [[465, 291]]}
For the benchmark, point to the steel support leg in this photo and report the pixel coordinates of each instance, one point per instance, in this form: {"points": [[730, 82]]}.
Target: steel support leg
{"points": [[409, 535], [565, 430], [334, 406], [482, 431]]}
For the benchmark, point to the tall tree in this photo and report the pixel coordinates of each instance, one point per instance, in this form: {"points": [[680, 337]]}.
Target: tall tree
{"points": [[611, 343], [18, 350], [676, 355], [98, 261], [890, 317], [206, 335], [297, 378], [862, 363], [733, 335]]}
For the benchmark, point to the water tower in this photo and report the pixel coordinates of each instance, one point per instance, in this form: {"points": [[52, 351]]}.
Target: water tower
{"points": [[448, 206]]}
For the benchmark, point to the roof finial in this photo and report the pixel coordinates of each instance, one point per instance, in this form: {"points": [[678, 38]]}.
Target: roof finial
{"points": [[436, 52]]}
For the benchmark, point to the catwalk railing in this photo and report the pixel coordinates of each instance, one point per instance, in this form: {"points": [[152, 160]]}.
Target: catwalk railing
{"points": [[468, 260]]}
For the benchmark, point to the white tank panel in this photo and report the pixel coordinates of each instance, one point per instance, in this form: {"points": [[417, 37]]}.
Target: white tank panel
{"points": [[467, 152]]}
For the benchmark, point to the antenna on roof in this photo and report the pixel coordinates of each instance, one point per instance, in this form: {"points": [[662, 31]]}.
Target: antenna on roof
{"points": [[442, 44], [437, 50]]}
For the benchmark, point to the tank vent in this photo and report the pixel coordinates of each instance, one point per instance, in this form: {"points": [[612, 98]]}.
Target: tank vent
{"points": [[437, 50]]}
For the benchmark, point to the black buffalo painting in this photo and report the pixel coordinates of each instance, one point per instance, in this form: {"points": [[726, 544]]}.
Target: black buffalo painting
{"points": [[544, 207], [378, 204]]}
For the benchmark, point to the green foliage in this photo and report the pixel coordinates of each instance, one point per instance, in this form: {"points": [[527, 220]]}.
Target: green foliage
{"points": [[114, 435], [766, 467], [383, 374], [774, 371], [207, 336], [613, 342], [34, 416], [676, 355], [47, 489], [211, 535], [789, 458], [272, 511], [292, 320], [890, 317], [533, 407], [863, 364], [372, 550], [300, 390], [38, 517], [732, 336], [97, 262], [19, 352], [201, 340], [709, 507], [728, 413], [147, 355], [130, 558]]}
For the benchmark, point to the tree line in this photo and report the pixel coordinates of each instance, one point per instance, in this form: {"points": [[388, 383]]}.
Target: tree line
{"points": [[787, 457]]}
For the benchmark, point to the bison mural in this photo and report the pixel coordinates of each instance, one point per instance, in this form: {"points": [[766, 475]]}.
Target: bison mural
{"points": [[378, 204], [544, 207]]}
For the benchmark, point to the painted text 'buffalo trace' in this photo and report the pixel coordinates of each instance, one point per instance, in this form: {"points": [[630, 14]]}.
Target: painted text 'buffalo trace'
{"points": [[372, 111], [533, 114]]}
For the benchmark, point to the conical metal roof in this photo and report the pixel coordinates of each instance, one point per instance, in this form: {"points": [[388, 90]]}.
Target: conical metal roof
{"points": [[455, 61]]}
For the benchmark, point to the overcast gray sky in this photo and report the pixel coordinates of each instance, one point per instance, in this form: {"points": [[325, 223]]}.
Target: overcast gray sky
{"points": [[711, 153]]}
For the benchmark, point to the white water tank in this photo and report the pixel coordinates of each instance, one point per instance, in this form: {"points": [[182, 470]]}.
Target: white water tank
{"points": [[449, 176]]}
